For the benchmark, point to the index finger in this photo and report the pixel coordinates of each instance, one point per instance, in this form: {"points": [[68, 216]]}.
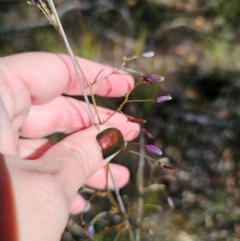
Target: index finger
{"points": [[48, 75]]}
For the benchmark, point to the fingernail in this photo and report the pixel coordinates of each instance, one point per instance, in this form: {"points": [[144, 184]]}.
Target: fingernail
{"points": [[110, 140]]}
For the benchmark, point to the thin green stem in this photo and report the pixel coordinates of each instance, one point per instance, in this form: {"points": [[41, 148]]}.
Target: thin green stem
{"points": [[98, 217], [120, 203], [140, 183], [129, 101], [120, 106], [109, 194], [140, 154], [91, 92], [53, 18], [106, 76], [75, 63], [123, 103], [125, 229]]}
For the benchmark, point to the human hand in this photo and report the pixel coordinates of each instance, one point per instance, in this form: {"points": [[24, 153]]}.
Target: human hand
{"points": [[46, 177]]}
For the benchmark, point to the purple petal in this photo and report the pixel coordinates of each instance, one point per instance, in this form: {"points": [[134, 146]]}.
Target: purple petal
{"points": [[91, 231], [151, 78], [161, 99], [148, 54], [153, 149]]}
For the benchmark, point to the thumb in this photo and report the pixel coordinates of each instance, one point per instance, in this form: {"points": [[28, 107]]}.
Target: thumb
{"points": [[81, 154]]}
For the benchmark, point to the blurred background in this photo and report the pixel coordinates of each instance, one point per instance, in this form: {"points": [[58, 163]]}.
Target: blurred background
{"points": [[197, 50]]}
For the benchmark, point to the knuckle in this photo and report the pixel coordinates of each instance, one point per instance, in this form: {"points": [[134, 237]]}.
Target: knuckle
{"points": [[82, 156]]}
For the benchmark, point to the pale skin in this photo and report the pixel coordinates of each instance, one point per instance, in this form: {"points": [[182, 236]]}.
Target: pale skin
{"points": [[45, 177]]}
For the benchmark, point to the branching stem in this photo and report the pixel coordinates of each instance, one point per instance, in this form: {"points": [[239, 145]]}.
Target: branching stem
{"points": [[75, 63]]}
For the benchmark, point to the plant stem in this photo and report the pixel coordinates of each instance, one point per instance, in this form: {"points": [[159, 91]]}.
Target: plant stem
{"points": [[75, 64], [140, 154], [140, 174], [129, 101], [121, 206], [123, 103]]}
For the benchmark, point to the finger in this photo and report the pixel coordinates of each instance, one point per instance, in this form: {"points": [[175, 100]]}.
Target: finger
{"points": [[77, 157], [47, 76], [77, 205], [68, 115], [98, 180], [33, 148]]}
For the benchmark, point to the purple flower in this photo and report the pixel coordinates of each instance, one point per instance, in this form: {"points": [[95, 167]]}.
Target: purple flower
{"points": [[161, 99], [148, 54], [153, 149], [150, 78], [91, 231]]}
